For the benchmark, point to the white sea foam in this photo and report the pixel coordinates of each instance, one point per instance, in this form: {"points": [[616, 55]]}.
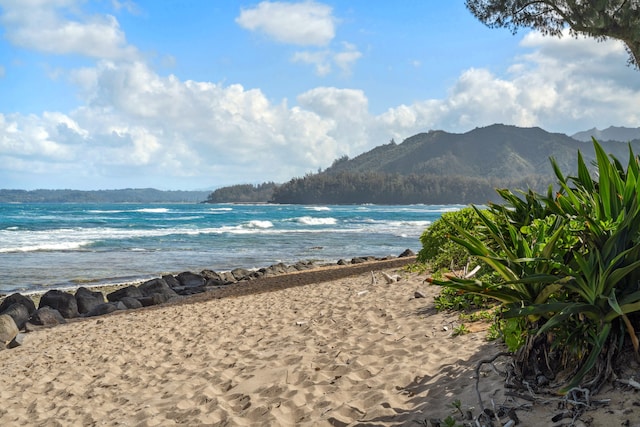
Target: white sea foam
{"points": [[309, 220], [318, 208], [152, 210], [62, 246], [258, 224], [221, 209]]}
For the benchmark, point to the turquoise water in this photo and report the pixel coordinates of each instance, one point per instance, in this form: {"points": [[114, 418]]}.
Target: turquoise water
{"points": [[43, 246]]}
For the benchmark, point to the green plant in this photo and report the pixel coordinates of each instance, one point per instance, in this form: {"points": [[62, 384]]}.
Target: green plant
{"points": [[569, 264], [461, 329], [437, 248]]}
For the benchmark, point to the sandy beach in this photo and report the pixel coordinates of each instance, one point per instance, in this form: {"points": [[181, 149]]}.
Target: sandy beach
{"points": [[307, 350]]}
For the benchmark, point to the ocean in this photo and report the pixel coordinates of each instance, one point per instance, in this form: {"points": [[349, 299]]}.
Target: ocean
{"points": [[61, 246]]}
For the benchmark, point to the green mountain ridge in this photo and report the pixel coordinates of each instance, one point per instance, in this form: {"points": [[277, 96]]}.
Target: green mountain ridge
{"points": [[442, 167]]}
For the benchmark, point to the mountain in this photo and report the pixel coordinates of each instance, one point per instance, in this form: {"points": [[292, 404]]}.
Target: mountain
{"points": [[497, 151], [442, 167], [611, 133]]}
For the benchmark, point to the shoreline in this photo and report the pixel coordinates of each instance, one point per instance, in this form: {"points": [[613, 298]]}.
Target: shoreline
{"points": [[329, 271]]}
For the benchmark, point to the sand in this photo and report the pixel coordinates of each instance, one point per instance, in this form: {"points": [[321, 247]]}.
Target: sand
{"points": [[328, 353]]}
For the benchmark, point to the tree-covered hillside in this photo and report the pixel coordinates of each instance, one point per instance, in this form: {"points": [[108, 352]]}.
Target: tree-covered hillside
{"points": [[442, 167]]}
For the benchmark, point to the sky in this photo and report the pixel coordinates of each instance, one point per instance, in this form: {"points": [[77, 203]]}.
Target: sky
{"points": [[199, 94]]}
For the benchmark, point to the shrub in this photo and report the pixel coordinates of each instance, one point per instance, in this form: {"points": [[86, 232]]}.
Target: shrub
{"points": [[570, 269]]}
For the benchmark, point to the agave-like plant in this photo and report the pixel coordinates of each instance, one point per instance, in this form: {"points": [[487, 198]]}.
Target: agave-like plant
{"points": [[570, 263]]}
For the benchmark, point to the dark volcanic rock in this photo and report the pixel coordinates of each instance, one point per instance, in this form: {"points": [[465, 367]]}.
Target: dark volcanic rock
{"points": [[87, 300], [47, 316], [157, 286], [18, 298], [212, 278], [131, 303], [406, 253], [191, 279], [171, 281], [106, 308], [130, 291], [19, 313], [153, 299], [240, 274], [8, 329], [64, 302]]}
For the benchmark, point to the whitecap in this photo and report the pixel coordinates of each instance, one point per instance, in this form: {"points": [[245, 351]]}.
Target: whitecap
{"points": [[62, 246], [258, 224], [152, 210], [309, 220]]}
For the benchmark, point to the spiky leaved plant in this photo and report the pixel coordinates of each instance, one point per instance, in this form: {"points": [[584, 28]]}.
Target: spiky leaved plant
{"points": [[571, 267]]}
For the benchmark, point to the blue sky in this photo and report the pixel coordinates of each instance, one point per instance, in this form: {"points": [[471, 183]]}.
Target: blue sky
{"points": [[199, 94]]}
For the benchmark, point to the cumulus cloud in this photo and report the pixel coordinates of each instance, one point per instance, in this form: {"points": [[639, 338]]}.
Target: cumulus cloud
{"points": [[47, 26], [306, 23], [136, 122], [563, 84]]}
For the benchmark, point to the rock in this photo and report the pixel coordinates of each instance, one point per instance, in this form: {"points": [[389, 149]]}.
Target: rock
{"points": [[419, 294], [19, 313], [406, 253], [130, 291], [276, 269], [153, 299], [191, 279], [106, 308], [46, 316], [131, 303], [302, 266], [227, 278], [240, 274], [172, 281], [342, 262], [358, 260], [20, 299], [8, 329], [87, 299], [17, 341], [64, 302], [157, 286], [212, 278]]}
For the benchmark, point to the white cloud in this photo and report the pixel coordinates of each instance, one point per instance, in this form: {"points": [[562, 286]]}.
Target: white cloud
{"points": [[2, 71], [303, 23], [168, 131], [47, 26], [323, 60], [563, 85]]}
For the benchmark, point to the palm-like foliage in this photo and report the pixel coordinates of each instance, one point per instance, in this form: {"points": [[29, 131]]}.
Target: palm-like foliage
{"points": [[570, 263]]}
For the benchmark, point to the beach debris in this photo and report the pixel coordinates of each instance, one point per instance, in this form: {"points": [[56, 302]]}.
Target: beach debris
{"points": [[362, 293], [419, 294], [301, 323], [472, 272], [630, 382], [390, 279], [374, 281]]}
